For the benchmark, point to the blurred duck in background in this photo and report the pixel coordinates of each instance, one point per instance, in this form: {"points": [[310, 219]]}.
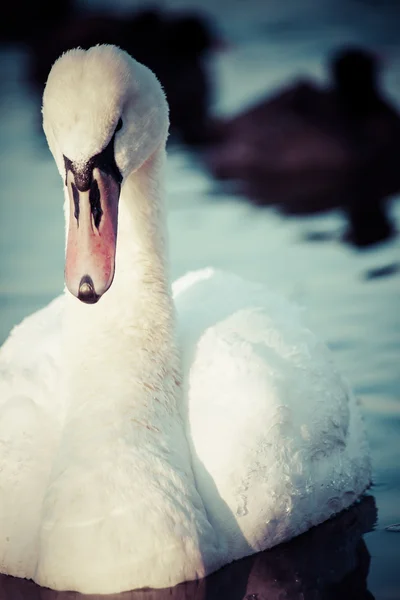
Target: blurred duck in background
{"points": [[26, 21], [174, 45], [309, 149]]}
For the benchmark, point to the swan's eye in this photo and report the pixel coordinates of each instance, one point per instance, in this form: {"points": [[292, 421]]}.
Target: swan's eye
{"points": [[119, 125]]}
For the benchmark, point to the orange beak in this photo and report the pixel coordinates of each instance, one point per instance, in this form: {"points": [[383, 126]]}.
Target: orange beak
{"points": [[92, 235]]}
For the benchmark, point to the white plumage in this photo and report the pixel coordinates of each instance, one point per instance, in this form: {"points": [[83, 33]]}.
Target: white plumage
{"points": [[139, 448]]}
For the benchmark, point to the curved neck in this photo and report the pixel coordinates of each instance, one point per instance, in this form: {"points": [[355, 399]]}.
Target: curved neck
{"points": [[139, 300], [142, 236]]}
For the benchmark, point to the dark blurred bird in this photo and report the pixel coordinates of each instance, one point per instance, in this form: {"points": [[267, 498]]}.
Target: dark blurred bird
{"points": [[24, 21], [173, 45], [310, 148]]}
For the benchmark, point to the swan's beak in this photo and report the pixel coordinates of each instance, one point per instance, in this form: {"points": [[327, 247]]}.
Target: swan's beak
{"points": [[92, 235]]}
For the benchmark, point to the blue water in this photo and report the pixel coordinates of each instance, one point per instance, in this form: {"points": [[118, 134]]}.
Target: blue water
{"points": [[357, 315]]}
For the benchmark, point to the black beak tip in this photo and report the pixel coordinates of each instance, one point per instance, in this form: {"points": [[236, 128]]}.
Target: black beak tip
{"points": [[86, 291]]}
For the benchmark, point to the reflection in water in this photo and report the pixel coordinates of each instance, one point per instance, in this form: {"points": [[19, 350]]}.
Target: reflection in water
{"points": [[383, 271], [329, 562]]}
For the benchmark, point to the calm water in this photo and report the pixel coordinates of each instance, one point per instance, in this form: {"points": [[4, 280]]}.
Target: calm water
{"points": [[357, 315]]}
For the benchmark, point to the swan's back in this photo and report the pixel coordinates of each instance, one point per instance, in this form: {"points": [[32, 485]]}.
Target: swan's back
{"points": [[275, 432], [30, 421]]}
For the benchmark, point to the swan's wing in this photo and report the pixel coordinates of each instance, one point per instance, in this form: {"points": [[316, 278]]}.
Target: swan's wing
{"points": [[29, 428], [30, 357], [275, 431]]}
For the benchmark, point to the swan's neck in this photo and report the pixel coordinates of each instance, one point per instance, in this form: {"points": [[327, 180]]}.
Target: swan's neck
{"points": [[131, 328], [141, 259]]}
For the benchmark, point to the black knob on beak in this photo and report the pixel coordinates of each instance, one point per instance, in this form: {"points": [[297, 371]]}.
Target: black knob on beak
{"points": [[86, 292]]}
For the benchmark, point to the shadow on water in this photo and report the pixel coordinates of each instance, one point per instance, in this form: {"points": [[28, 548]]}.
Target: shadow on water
{"points": [[329, 562], [384, 271]]}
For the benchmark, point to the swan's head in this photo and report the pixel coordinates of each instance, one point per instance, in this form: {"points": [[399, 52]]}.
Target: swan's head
{"points": [[104, 115]]}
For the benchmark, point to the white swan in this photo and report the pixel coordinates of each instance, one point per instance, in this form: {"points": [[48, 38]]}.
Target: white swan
{"points": [[120, 467]]}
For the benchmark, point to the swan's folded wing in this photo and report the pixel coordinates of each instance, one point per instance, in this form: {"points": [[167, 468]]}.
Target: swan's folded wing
{"points": [[30, 418], [30, 357], [277, 441]]}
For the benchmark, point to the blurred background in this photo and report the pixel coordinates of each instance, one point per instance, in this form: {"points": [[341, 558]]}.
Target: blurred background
{"points": [[284, 167]]}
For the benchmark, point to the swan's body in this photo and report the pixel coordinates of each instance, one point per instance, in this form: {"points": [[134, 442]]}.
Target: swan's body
{"points": [[121, 465]]}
